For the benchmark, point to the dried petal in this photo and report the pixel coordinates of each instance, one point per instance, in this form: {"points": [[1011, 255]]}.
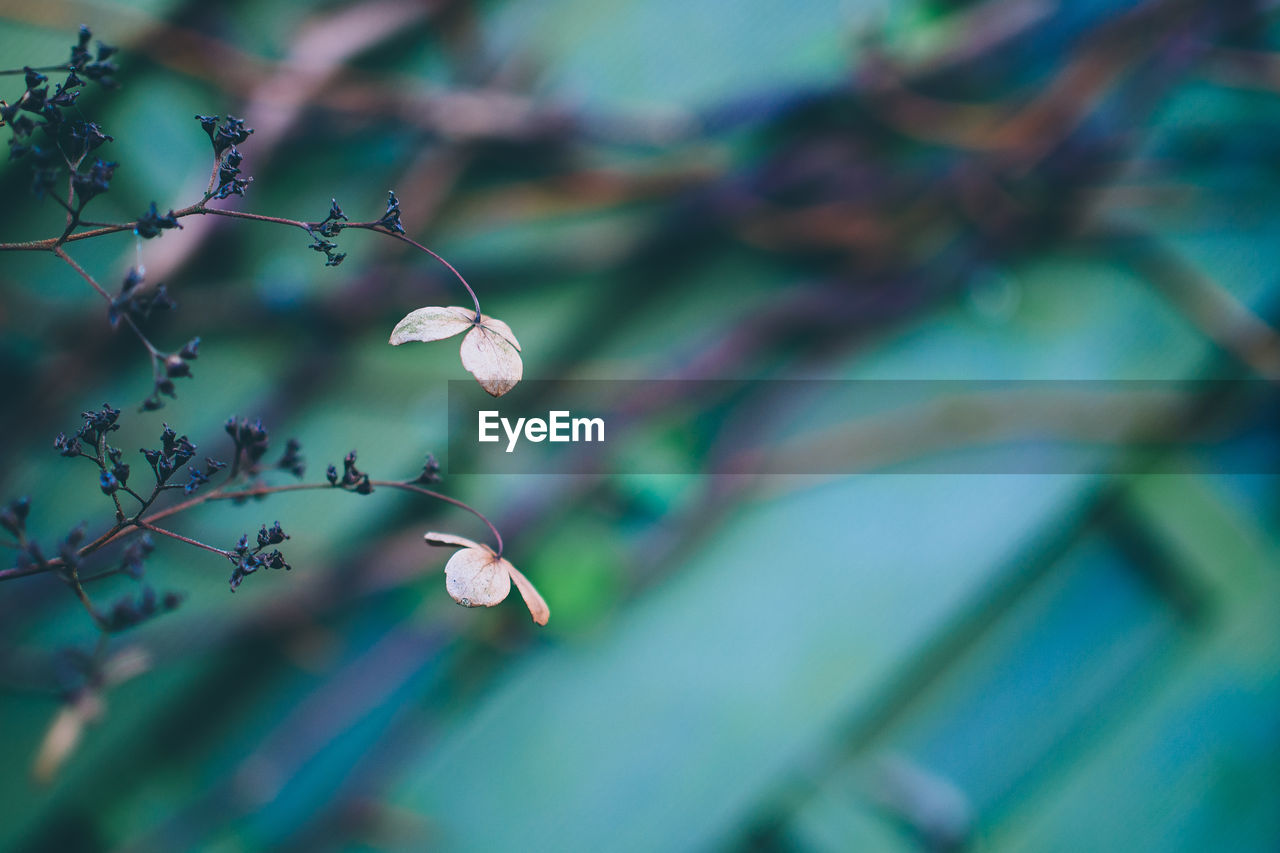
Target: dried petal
{"points": [[477, 577], [445, 539], [492, 360], [432, 324], [501, 328], [63, 734], [533, 600], [126, 664]]}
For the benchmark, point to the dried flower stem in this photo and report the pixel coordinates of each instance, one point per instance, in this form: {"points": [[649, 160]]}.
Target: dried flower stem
{"points": [[128, 525], [53, 244]]}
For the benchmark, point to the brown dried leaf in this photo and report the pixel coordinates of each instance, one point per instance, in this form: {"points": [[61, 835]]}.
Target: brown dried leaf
{"points": [[533, 600], [492, 360], [477, 577], [432, 324]]}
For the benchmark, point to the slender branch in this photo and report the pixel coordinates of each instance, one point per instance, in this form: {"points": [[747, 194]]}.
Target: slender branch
{"points": [[257, 217], [78, 588], [213, 178], [125, 527], [51, 244], [373, 226], [156, 355], [12, 71], [103, 574], [57, 250], [196, 542], [262, 491]]}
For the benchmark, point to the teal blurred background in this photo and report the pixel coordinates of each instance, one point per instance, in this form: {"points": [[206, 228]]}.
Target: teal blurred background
{"points": [[1010, 189]]}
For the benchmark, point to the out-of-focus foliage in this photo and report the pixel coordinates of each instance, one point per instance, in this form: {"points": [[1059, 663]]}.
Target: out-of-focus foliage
{"points": [[651, 188]]}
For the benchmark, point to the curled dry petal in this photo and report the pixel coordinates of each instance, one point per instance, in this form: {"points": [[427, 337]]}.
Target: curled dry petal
{"points": [[533, 600], [445, 539], [63, 734], [432, 324], [477, 577], [126, 664], [492, 359]]}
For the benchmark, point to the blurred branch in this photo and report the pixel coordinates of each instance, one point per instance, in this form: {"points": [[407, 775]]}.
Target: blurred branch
{"points": [[1214, 310]]}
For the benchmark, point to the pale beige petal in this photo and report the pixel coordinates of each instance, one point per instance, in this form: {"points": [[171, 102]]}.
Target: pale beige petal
{"points": [[443, 539], [125, 664], [63, 735], [432, 324], [492, 360], [533, 600], [501, 328], [476, 578]]}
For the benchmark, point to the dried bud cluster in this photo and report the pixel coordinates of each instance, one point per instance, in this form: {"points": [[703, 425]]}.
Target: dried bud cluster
{"points": [[137, 303], [248, 560], [225, 137], [352, 479], [251, 441], [329, 227], [128, 611], [151, 223], [65, 139], [292, 460]]}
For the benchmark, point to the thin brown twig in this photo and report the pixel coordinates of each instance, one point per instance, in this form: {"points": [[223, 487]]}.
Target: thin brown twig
{"points": [[123, 528]]}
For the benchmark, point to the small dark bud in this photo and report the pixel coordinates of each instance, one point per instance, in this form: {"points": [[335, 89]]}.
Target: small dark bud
{"points": [[273, 535], [14, 517], [350, 473], [151, 223], [430, 471], [135, 554], [292, 460], [332, 224], [34, 554], [94, 182], [209, 123], [275, 560], [131, 281], [168, 440], [391, 219], [198, 479], [175, 366]]}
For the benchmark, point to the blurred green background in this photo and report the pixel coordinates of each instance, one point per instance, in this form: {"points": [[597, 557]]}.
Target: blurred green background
{"points": [[1010, 189]]}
